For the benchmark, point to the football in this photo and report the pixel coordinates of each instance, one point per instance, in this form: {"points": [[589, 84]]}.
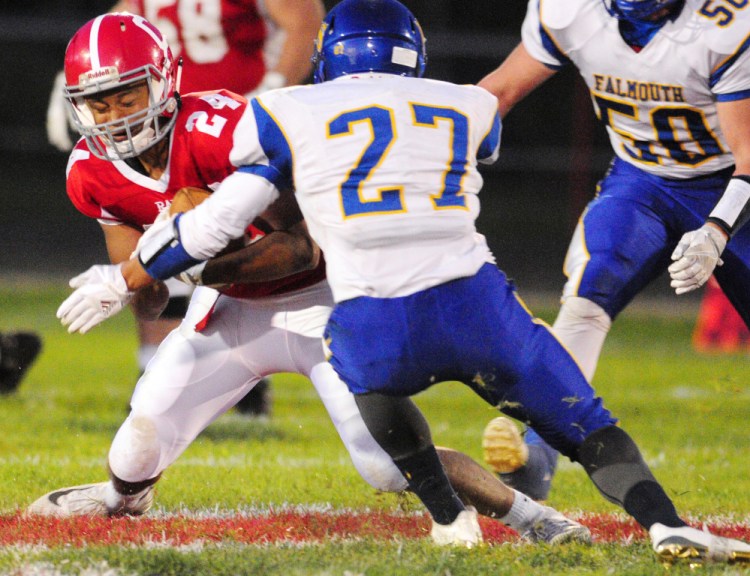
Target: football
{"points": [[187, 198]]}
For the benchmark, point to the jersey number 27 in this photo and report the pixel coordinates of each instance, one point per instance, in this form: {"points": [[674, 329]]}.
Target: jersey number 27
{"points": [[381, 122]]}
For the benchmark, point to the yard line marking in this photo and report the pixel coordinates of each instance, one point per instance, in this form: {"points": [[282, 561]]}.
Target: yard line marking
{"points": [[285, 526]]}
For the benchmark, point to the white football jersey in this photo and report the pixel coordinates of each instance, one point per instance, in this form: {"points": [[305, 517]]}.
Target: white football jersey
{"points": [[384, 169], [659, 104]]}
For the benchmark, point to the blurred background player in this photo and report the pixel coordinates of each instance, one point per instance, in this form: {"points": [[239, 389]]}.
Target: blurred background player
{"points": [[18, 350], [246, 46], [269, 313], [719, 328], [680, 131], [418, 297]]}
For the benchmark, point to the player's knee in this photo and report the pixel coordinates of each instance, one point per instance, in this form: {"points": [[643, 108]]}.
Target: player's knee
{"points": [[380, 472], [135, 452], [377, 468], [579, 314], [582, 326], [374, 465]]}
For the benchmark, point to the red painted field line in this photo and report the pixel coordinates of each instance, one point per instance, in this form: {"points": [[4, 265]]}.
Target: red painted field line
{"points": [[284, 527]]}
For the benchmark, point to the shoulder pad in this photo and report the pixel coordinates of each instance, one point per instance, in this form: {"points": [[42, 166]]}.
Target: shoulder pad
{"points": [[724, 29], [559, 14]]}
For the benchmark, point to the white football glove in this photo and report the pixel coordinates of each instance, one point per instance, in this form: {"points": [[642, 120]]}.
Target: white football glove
{"points": [[100, 292], [57, 117], [697, 254]]}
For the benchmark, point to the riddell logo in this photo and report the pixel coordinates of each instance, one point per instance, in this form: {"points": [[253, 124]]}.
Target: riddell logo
{"points": [[108, 73]]}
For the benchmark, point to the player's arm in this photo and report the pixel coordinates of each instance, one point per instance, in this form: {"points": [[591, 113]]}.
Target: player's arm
{"points": [[287, 250], [186, 239], [699, 251], [201, 233], [301, 20], [734, 118], [515, 78], [732, 211], [103, 291], [121, 240]]}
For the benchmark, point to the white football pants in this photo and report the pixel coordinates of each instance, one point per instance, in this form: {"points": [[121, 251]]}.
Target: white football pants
{"points": [[197, 376]]}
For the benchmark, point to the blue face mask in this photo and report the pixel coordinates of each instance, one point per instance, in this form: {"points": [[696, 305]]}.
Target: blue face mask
{"points": [[637, 31]]}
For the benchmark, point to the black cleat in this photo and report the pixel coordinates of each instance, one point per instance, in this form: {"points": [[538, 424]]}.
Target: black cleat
{"points": [[257, 402], [18, 350]]}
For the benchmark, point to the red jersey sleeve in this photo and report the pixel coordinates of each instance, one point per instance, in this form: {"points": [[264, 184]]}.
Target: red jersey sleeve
{"points": [[204, 138], [79, 184]]}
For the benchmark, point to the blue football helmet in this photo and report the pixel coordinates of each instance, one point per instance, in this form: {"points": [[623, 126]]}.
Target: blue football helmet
{"points": [[639, 10], [369, 36]]}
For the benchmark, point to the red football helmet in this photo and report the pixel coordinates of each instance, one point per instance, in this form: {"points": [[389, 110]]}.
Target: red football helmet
{"points": [[111, 52]]}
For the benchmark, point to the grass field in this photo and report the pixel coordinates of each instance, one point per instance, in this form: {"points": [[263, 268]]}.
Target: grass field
{"points": [[282, 498]]}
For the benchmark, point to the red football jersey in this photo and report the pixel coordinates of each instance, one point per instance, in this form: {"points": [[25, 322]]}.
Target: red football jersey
{"points": [[201, 143], [220, 41]]}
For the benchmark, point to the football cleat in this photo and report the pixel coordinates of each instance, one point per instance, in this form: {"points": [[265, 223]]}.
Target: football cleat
{"points": [[18, 350], [463, 531], [257, 403], [504, 449], [92, 500], [686, 544], [554, 528]]}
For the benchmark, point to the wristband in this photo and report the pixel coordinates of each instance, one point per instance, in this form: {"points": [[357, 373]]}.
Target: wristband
{"points": [[169, 256], [731, 211]]}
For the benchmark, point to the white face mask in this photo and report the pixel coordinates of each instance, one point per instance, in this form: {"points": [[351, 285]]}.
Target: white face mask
{"points": [[142, 129]]}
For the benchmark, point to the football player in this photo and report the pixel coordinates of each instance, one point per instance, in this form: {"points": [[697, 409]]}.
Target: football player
{"points": [[246, 46], [678, 187], [142, 142], [384, 165]]}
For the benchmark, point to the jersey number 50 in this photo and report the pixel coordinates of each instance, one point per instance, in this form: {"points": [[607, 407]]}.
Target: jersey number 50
{"points": [[694, 129], [723, 10]]}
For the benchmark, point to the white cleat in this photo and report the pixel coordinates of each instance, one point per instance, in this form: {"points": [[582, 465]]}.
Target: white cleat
{"points": [[464, 531], [504, 449], [554, 528], [696, 546], [92, 500]]}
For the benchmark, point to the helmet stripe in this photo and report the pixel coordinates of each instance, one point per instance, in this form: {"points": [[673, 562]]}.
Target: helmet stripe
{"points": [[143, 24], [94, 42]]}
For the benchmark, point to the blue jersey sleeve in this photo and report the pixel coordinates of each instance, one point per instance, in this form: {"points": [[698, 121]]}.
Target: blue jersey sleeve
{"points": [[276, 148]]}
